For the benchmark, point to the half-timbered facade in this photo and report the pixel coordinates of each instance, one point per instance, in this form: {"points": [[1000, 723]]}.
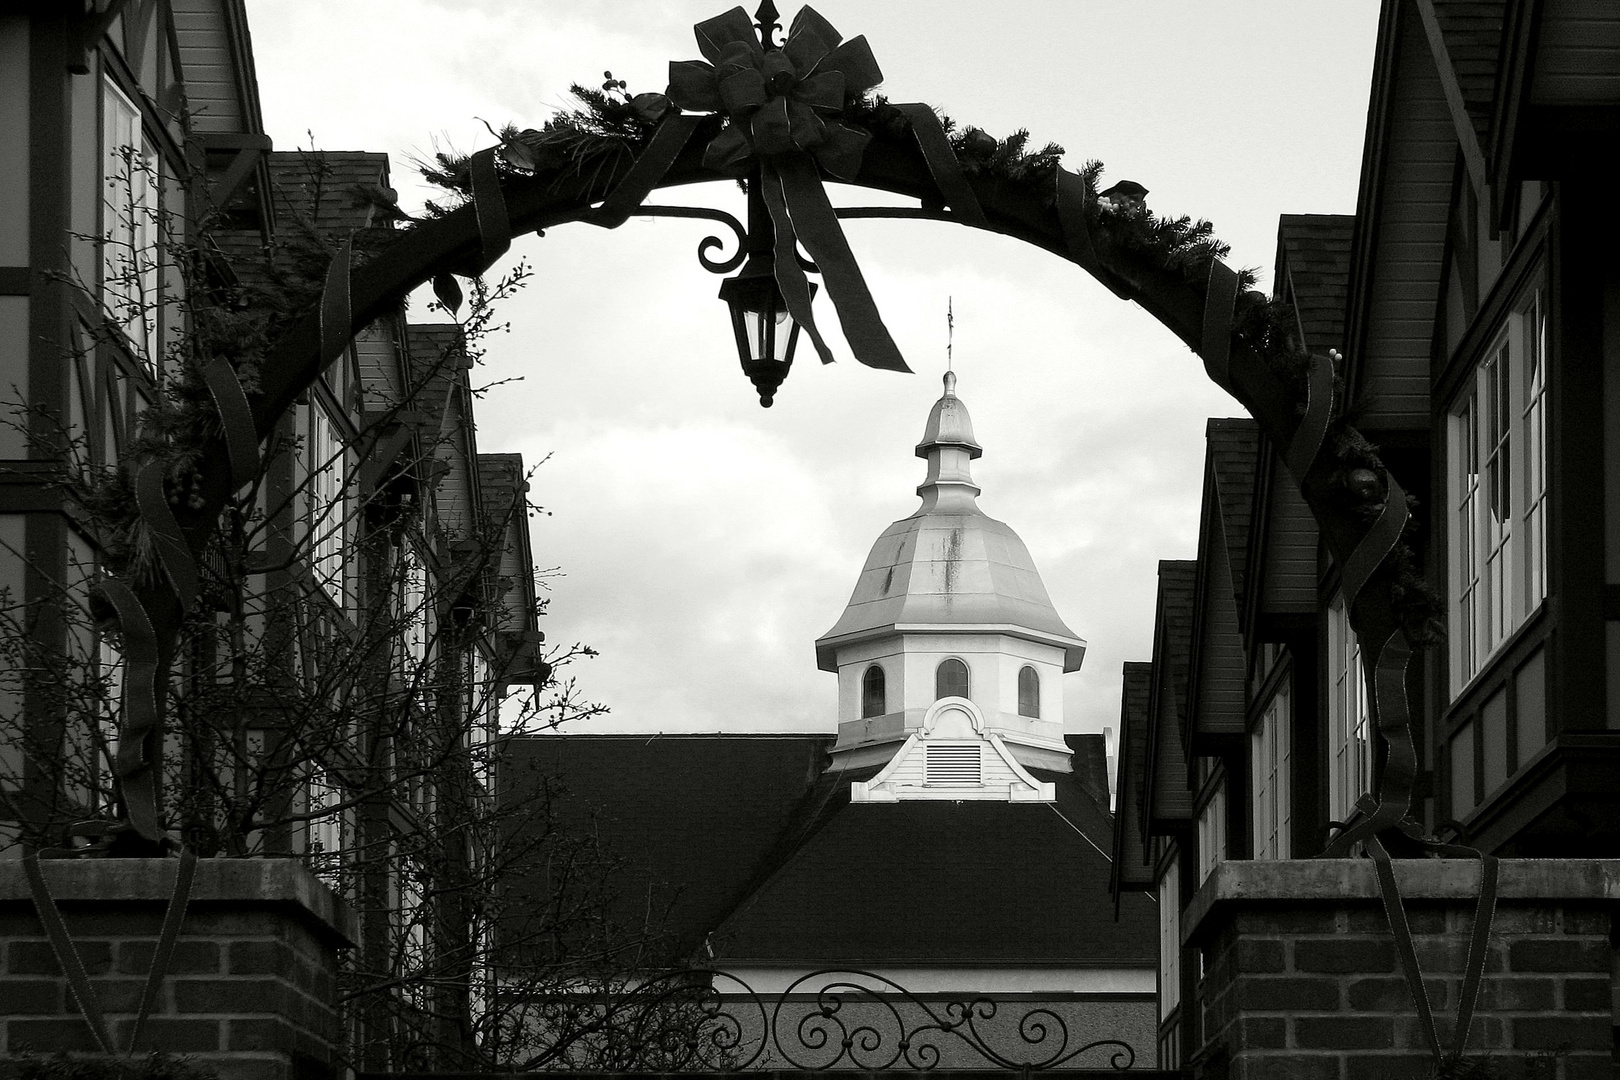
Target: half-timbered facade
{"points": [[383, 600], [1474, 312]]}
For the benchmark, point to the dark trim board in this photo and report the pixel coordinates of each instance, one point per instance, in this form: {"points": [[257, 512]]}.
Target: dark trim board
{"points": [[1557, 803], [795, 1074]]}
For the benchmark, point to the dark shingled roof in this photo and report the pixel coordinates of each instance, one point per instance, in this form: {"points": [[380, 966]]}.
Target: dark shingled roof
{"points": [[937, 882], [692, 817], [502, 483], [1166, 794], [334, 189], [1234, 446], [1314, 253], [766, 858], [1176, 578], [1133, 867]]}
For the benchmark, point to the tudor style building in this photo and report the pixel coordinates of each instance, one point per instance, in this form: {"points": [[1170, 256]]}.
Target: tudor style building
{"points": [[133, 140], [1472, 297]]}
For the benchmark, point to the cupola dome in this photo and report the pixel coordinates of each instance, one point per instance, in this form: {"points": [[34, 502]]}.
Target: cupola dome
{"points": [[950, 635]]}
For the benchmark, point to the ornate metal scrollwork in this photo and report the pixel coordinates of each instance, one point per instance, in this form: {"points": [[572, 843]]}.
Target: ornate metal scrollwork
{"points": [[709, 243], [836, 1019]]}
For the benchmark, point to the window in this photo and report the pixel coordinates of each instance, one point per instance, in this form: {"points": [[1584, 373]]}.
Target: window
{"points": [[1212, 833], [1350, 742], [129, 228], [954, 764], [951, 679], [874, 700], [1029, 692], [1270, 751], [325, 497], [1169, 941], [1498, 492]]}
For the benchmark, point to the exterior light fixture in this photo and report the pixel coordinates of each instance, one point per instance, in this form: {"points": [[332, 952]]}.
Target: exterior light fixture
{"points": [[766, 334]]}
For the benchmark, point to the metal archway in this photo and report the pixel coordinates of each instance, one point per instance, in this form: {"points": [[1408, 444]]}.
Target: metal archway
{"points": [[1201, 303]]}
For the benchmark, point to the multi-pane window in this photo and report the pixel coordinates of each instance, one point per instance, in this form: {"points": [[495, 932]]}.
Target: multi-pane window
{"points": [[326, 511], [1029, 692], [413, 613], [1212, 832], [1169, 941], [1350, 735], [1270, 751], [129, 227], [950, 679], [1498, 492]]}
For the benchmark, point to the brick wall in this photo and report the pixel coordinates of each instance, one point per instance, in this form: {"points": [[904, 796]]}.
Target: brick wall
{"points": [[250, 988], [1308, 986]]}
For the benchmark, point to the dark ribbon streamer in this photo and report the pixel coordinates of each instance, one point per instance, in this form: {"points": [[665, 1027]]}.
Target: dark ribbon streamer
{"points": [[68, 958], [236, 421], [167, 540], [1396, 913], [168, 938], [1318, 412], [1220, 303], [789, 274], [811, 220], [943, 166], [669, 139], [1073, 201], [67, 954], [335, 329], [489, 206], [133, 766]]}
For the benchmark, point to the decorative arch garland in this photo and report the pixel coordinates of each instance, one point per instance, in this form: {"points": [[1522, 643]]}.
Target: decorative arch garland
{"points": [[1243, 345]]}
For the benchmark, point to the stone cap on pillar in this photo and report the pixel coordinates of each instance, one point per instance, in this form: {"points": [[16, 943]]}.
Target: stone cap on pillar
{"points": [[1335, 881], [258, 883]]}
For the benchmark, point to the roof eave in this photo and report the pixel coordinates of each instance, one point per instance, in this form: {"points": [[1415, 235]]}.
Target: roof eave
{"points": [[1074, 649]]}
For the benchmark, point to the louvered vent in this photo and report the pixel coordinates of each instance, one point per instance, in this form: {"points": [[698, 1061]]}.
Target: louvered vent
{"points": [[954, 764]]}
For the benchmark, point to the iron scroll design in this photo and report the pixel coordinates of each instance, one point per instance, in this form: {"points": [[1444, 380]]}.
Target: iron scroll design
{"points": [[838, 1019]]}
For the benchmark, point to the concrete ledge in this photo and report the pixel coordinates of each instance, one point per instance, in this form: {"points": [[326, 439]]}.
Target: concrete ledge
{"points": [[281, 883], [1338, 880]]}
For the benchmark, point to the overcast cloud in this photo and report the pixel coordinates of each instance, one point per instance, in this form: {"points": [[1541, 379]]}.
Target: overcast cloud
{"points": [[705, 542]]}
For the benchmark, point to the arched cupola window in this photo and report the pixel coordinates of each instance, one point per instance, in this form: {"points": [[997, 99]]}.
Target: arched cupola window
{"points": [[874, 692], [1029, 692], [951, 679]]}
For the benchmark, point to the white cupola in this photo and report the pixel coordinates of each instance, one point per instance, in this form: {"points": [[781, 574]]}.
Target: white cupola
{"points": [[950, 656]]}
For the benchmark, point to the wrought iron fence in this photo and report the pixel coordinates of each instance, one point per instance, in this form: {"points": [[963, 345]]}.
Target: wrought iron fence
{"points": [[830, 1019]]}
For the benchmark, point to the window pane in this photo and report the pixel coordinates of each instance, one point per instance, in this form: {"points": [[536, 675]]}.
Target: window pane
{"points": [[951, 679], [1029, 693], [873, 692]]}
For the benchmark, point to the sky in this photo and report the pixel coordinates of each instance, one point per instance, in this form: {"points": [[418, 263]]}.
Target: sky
{"points": [[701, 543]]}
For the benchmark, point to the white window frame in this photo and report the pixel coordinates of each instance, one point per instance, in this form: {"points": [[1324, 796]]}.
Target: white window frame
{"points": [[1270, 758], [1350, 734], [130, 185], [1169, 941], [1212, 833], [1496, 463], [325, 492]]}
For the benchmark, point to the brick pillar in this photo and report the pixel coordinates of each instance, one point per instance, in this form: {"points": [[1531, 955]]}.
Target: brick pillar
{"points": [[1301, 978], [250, 988]]}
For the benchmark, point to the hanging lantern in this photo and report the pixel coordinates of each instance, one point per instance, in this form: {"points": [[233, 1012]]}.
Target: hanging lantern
{"points": [[766, 334]]}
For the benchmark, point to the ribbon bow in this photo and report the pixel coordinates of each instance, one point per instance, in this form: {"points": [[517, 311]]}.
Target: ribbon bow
{"points": [[781, 106]]}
